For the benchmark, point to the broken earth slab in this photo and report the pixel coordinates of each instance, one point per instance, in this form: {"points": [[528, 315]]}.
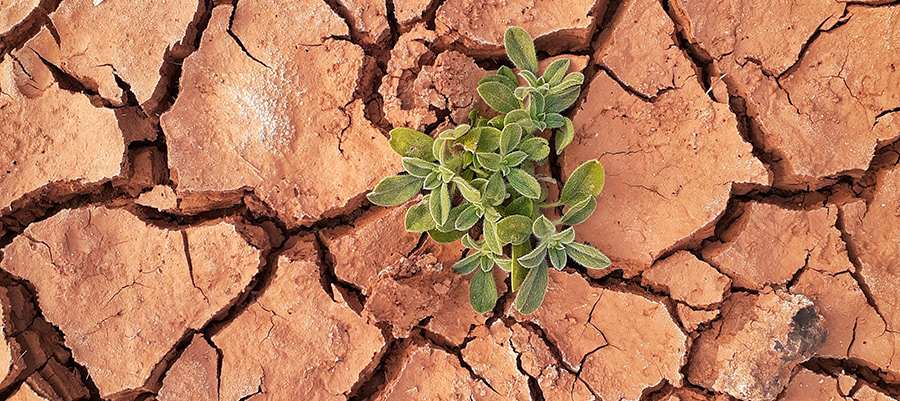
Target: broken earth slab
{"points": [[688, 279], [767, 245], [114, 40], [820, 116], [671, 167], [641, 30], [368, 20], [194, 375], [115, 286], [12, 12], [479, 26], [691, 319], [295, 137], [39, 148], [537, 361], [295, 341], [751, 351], [492, 356], [445, 379], [601, 332]]}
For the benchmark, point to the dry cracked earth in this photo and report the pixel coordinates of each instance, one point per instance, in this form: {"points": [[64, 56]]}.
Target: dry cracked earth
{"points": [[182, 213]]}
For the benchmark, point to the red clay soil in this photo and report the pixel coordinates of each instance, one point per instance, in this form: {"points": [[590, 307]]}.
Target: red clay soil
{"points": [[182, 210]]}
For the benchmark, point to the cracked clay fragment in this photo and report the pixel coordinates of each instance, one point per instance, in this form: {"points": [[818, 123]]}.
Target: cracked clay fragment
{"points": [[116, 286], [280, 120]]}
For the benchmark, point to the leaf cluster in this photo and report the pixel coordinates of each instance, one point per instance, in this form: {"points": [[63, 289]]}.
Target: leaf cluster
{"points": [[480, 185]]}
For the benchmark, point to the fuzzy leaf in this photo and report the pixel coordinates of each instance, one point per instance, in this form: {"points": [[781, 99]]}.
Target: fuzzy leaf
{"points": [[510, 138], [535, 257], [497, 121], [536, 105], [587, 256], [488, 139], [554, 120], [467, 190], [439, 150], [467, 218], [557, 258], [514, 229], [586, 180], [439, 205], [469, 141], [570, 80], [498, 96], [395, 190], [490, 161], [555, 72], [417, 167], [509, 73], [520, 205], [446, 237], [515, 158], [482, 291], [469, 243], [518, 272], [468, 264], [530, 77], [564, 136], [579, 212], [559, 101], [455, 133], [432, 181], [566, 236], [537, 148], [503, 79], [411, 143], [495, 190], [418, 219], [490, 237], [542, 227], [487, 263], [524, 183], [531, 294], [503, 263], [520, 117], [520, 49]]}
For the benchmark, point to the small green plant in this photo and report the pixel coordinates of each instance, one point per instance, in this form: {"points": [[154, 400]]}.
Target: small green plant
{"points": [[480, 181]]}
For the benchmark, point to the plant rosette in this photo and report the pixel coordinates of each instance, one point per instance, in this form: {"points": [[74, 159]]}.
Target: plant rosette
{"points": [[479, 181]]}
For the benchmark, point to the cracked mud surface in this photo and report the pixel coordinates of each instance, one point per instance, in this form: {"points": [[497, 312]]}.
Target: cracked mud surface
{"points": [[182, 212]]}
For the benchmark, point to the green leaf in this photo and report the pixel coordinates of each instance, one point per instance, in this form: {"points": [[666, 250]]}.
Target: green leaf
{"points": [[566, 236], [439, 205], [446, 237], [487, 263], [510, 138], [557, 258], [468, 264], [520, 205], [587, 256], [530, 77], [586, 180], [418, 219], [490, 237], [514, 229], [555, 72], [518, 272], [439, 150], [489, 139], [520, 117], [556, 102], [537, 148], [497, 121], [564, 136], [455, 133], [498, 96], [542, 227], [482, 291], [467, 190], [432, 181], [503, 79], [579, 212], [469, 243], [520, 49], [469, 141], [531, 294], [505, 264], [535, 257], [570, 80], [417, 167], [467, 218], [395, 190], [411, 143], [522, 92], [524, 183], [515, 158], [554, 120], [536, 105], [509, 73], [495, 190], [490, 161]]}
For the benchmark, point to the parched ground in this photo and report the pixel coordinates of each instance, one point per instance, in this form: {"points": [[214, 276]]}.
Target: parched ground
{"points": [[182, 213]]}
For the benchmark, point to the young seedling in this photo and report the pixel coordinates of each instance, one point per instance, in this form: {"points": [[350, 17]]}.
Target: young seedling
{"points": [[479, 181]]}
